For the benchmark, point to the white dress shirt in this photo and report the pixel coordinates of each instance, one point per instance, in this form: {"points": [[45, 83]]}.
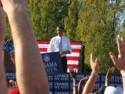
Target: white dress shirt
{"points": [[54, 45]]}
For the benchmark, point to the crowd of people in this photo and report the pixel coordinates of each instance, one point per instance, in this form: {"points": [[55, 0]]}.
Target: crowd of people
{"points": [[31, 77], [119, 64]]}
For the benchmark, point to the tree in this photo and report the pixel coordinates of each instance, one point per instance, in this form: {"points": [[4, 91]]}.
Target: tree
{"points": [[71, 20], [46, 15], [96, 28]]}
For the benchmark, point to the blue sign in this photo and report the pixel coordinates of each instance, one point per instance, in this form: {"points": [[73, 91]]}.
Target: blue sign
{"points": [[52, 61], [62, 83]]}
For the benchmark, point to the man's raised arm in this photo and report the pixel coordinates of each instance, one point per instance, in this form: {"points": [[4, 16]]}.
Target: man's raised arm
{"points": [[3, 86], [30, 72], [89, 86]]}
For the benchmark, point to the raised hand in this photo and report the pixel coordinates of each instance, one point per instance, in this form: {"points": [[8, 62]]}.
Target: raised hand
{"points": [[31, 77], [12, 5], [119, 61], [110, 70], [94, 63], [72, 74]]}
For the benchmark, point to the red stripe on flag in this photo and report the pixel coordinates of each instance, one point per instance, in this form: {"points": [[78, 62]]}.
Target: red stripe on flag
{"points": [[42, 41], [73, 50], [75, 43], [43, 49], [72, 65], [76, 50], [47, 42], [72, 58]]}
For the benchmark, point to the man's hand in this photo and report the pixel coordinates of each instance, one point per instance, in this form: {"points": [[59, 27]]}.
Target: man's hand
{"points": [[72, 73], [12, 5], [94, 63], [119, 61]]}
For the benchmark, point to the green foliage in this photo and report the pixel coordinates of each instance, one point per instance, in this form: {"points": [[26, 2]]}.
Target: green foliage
{"points": [[97, 29], [46, 15], [7, 29], [71, 20]]}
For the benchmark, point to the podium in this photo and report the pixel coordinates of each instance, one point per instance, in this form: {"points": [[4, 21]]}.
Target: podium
{"points": [[52, 62]]}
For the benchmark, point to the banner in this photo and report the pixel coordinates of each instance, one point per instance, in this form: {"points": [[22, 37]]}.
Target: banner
{"points": [[53, 64], [62, 83]]}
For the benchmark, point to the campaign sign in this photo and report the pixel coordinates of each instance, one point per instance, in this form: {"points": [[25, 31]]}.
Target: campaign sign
{"points": [[52, 61]]}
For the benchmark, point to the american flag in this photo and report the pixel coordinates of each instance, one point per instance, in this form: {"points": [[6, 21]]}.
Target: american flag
{"points": [[73, 58]]}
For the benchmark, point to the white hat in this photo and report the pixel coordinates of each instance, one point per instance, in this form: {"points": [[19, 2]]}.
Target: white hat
{"points": [[113, 90]]}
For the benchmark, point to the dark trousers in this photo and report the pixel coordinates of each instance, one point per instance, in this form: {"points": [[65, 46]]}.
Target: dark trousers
{"points": [[64, 63]]}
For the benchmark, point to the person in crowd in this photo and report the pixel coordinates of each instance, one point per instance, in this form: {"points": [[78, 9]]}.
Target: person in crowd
{"points": [[13, 88], [12, 84], [73, 77], [30, 73], [110, 89], [119, 62], [82, 83], [113, 90], [107, 80], [61, 44], [77, 85], [94, 63], [9, 55]]}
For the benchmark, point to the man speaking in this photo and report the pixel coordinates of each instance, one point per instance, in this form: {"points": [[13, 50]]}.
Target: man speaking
{"points": [[61, 44]]}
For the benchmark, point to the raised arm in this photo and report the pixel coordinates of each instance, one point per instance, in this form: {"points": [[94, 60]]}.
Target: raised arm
{"points": [[82, 83], [73, 77], [119, 61], [3, 87], [94, 63], [110, 70], [30, 72]]}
